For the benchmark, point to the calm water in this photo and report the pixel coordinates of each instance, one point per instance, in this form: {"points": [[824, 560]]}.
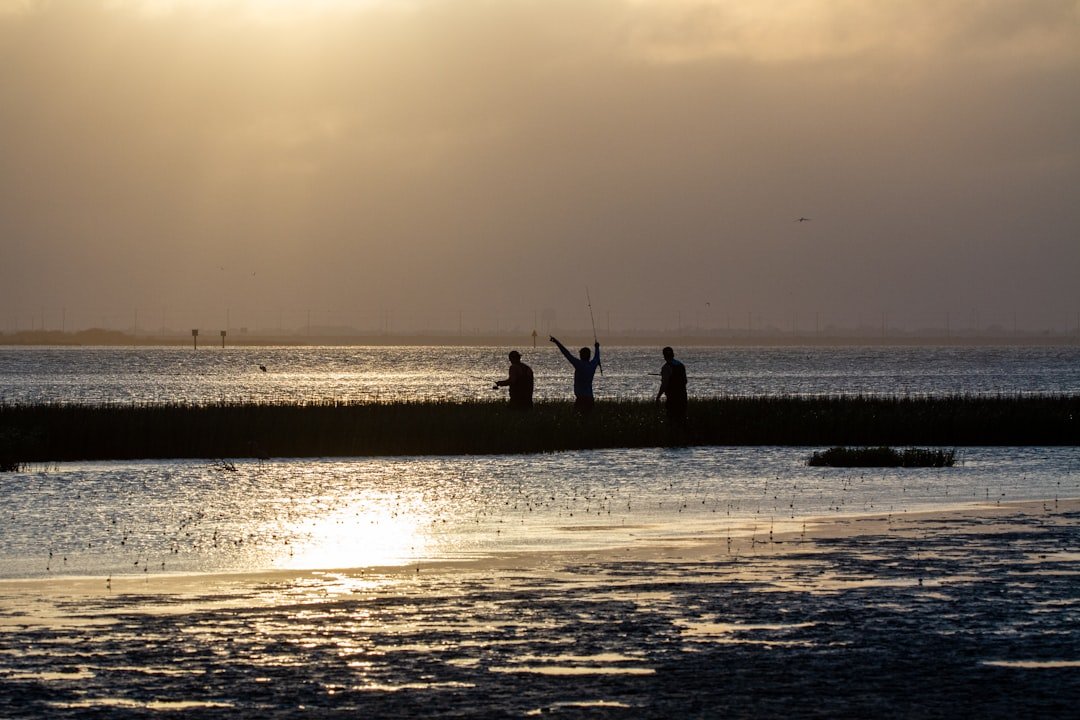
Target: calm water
{"points": [[98, 518], [200, 516], [96, 375]]}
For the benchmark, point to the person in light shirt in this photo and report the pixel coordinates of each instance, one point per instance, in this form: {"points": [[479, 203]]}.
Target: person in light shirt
{"points": [[585, 365]]}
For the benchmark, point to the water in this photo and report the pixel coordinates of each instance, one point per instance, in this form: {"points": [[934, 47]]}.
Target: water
{"points": [[200, 516], [311, 374]]}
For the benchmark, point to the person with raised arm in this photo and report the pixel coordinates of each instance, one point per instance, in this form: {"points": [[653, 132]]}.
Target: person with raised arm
{"points": [[585, 365]]}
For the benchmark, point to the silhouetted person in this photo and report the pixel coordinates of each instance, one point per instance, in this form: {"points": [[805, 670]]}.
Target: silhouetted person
{"points": [[519, 381], [584, 368], [673, 384]]}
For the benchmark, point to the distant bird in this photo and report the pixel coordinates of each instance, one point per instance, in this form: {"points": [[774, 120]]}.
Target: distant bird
{"points": [[804, 219], [263, 368]]}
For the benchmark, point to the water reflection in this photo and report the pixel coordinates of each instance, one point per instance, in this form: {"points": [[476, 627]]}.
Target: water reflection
{"points": [[190, 516], [371, 530], [363, 374]]}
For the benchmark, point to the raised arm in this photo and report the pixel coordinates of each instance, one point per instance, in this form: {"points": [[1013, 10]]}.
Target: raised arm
{"points": [[566, 353]]}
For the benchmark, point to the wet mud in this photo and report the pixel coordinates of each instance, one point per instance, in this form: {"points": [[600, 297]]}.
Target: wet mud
{"points": [[915, 618]]}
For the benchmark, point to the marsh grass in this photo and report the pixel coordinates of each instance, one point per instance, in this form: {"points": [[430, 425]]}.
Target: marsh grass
{"points": [[16, 446], [57, 432], [882, 457]]}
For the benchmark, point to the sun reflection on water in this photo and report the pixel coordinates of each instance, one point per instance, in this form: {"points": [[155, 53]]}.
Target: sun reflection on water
{"points": [[370, 530], [140, 518]]}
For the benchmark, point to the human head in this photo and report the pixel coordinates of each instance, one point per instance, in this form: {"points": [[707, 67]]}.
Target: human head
{"points": [[669, 354], [584, 353], [515, 357]]}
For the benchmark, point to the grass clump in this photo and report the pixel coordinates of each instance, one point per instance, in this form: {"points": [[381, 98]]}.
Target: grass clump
{"points": [[882, 457]]}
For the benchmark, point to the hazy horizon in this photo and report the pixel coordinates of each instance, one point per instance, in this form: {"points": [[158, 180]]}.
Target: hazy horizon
{"points": [[441, 164]]}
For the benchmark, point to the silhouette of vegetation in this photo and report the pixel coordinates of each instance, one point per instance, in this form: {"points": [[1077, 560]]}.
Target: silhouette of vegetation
{"points": [[58, 432], [882, 457], [15, 447]]}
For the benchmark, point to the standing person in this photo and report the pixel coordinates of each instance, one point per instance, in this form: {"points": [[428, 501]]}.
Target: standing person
{"points": [[673, 384], [520, 382], [584, 368]]}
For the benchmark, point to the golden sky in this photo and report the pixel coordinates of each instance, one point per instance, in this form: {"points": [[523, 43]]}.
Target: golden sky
{"points": [[426, 158]]}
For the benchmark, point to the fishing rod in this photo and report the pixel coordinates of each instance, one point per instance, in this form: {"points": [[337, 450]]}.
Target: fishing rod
{"points": [[588, 301], [487, 380]]}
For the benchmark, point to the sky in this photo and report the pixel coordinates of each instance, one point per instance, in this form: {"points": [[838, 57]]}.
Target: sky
{"points": [[490, 164]]}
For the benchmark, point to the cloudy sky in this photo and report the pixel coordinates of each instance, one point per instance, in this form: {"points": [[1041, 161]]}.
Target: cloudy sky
{"points": [[430, 162]]}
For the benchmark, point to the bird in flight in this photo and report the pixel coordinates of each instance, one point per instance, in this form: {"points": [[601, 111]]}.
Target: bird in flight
{"points": [[804, 219]]}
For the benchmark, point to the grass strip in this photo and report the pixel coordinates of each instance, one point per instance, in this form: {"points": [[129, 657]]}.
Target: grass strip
{"points": [[64, 432]]}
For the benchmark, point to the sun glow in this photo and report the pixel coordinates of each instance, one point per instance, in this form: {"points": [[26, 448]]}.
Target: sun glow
{"points": [[266, 9], [370, 531], [252, 5]]}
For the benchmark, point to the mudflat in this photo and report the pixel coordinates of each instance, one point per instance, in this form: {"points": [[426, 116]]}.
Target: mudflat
{"points": [[970, 612]]}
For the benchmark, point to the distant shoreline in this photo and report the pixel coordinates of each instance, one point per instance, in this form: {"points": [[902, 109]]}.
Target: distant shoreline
{"points": [[212, 340]]}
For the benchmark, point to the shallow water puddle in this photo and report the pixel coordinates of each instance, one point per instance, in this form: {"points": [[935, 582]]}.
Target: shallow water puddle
{"points": [[148, 705], [1061, 557], [1034, 664], [78, 674], [598, 658], [723, 633], [582, 705], [385, 687], [571, 670]]}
